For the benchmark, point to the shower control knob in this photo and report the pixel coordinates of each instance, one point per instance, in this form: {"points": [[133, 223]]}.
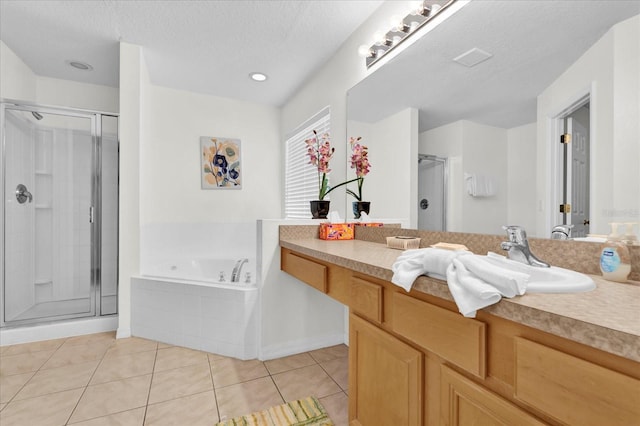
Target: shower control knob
{"points": [[22, 195], [424, 204]]}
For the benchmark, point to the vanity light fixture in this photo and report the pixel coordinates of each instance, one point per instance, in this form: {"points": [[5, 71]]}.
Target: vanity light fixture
{"points": [[401, 28], [82, 66], [258, 76]]}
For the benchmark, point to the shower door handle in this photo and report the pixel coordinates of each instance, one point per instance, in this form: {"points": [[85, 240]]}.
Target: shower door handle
{"points": [[22, 195]]}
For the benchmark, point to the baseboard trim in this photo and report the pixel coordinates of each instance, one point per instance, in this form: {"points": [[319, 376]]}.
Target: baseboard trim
{"points": [[298, 346]]}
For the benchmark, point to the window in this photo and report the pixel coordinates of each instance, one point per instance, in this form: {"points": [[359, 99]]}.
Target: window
{"points": [[301, 178]]}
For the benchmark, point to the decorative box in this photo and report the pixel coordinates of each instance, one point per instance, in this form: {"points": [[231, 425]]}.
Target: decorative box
{"points": [[370, 224], [336, 231]]}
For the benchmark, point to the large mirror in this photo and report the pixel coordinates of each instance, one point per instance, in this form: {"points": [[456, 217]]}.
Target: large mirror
{"points": [[464, 127]]}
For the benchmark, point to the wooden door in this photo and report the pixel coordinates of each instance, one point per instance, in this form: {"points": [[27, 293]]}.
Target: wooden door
{"points": [[464, 402], [385, 378]]}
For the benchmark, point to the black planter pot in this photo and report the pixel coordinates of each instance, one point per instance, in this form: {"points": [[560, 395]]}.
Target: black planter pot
{"points": [[360, 206], [319, 209]]}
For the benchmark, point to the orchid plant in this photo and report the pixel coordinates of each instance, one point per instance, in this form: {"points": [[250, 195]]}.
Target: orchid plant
{"points": [[320, 152], [359, 162]]}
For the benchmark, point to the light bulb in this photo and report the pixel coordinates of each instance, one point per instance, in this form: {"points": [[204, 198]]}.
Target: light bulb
{"points": [[364, 51], [416, 7], [380, 38]]}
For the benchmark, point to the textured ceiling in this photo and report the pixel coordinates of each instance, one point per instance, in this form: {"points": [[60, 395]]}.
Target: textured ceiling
{"points": [[205, 46], [532, 43]]}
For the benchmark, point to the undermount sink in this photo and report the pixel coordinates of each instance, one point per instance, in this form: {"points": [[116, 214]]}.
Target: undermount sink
{"points": [[546, 280]]}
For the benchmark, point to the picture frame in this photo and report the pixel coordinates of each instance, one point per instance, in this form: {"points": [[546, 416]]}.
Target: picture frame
{"points": [[220, 163]]}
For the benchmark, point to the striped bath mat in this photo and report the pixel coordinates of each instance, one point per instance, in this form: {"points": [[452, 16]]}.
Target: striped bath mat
{"points": [[302, 412]]}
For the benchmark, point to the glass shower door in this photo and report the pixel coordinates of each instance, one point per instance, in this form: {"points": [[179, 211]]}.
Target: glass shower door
{"points": [[49, 185]]}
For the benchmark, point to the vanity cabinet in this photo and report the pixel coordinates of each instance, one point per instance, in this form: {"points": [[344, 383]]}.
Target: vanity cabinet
{"points": [[385, 377], [414, 360]]}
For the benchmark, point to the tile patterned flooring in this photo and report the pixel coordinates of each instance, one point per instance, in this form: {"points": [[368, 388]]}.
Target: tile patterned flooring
{"points": [[96, 380]]}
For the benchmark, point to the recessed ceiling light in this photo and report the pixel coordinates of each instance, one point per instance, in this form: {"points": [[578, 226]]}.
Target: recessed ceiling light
{"points": [[258, 76], [80, 65]]}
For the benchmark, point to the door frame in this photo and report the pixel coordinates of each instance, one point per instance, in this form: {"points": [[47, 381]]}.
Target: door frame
{"points": [[555, 154], [445, 185], [95, 118]]}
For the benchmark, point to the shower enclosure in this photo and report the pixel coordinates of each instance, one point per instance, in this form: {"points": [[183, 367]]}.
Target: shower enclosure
{"points": [[59, 213], [432, 192]]}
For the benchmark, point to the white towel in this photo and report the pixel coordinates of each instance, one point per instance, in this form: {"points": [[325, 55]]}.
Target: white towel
{"points": [[475, 283], [509, 283], [480, 185], [431, 261]]}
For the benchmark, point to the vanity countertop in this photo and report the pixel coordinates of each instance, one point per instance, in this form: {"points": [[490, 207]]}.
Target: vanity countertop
{"points": [[607, 318]]}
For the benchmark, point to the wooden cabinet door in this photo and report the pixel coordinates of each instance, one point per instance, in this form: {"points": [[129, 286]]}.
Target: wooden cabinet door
{"points": [[385, 378], [464, 402]]}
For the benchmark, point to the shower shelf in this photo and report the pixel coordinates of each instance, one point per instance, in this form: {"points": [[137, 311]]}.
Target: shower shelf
{"points": [[43, 172], [43, 206], [43, 281]]}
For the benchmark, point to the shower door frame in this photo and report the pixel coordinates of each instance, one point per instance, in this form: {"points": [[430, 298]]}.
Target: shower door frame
{"points": [[95, 212], [445, 183]]}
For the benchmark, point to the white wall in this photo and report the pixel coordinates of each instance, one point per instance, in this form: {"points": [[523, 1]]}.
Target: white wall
{"points": [[521, 168], [390, 143], [295, 317], [446, 141], [134, 84], [54, 91], [610, 71], [170, 159], [17, 81], [476, 149]]}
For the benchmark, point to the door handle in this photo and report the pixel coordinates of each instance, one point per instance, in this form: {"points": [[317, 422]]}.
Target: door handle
{"points": [[22, 195], [585, 222]]}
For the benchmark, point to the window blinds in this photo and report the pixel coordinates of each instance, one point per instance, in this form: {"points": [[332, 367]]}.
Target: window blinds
{"points": [[301, 178]]}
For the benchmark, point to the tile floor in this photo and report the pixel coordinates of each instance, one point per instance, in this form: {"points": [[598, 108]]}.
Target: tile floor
{"points": [[97, 380]]}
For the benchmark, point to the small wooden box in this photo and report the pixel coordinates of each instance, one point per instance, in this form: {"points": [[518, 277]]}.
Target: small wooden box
{"points": [[370, 224], [336, 231]]}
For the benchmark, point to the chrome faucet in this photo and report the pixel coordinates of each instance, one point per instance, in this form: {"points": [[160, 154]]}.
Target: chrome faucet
{"points": [[235, 275], [561, 232], [518, 247]]}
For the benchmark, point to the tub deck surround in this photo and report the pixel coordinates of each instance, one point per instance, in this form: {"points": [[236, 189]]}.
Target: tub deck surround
{"points": [[605, 318]]}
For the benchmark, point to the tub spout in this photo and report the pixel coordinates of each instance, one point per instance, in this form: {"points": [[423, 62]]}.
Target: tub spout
{"points": [[235, 275]]}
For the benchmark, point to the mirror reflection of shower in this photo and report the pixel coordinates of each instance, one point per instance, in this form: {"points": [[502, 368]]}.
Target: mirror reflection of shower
{"points": [[432, 192], [59, 214]]}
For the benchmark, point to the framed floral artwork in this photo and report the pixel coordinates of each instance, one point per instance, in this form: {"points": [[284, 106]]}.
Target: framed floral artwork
{"points": [[220, 163]]}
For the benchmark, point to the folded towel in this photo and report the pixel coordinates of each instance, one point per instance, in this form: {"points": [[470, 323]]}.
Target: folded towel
{"points": [[431, 261], [509, 283], [475, 283]]}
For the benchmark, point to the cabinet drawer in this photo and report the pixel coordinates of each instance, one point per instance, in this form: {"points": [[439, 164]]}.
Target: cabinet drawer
{"points": [[305, 270], [459, 340], [573, 390], [366, 299]]}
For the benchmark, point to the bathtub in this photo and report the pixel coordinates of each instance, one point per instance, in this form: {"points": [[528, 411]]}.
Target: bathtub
{"points": [[225, 272], [203, 304]]}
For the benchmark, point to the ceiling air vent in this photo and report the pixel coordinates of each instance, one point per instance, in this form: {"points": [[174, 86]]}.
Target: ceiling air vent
{"points": [[473, 57]]}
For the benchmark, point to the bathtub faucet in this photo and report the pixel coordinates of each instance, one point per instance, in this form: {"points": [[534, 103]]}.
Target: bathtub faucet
{"points": [[235, 275]]}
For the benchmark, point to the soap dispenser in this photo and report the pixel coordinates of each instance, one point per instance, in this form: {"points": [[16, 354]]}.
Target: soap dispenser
{"points": [[630, 236], [615, 262]]}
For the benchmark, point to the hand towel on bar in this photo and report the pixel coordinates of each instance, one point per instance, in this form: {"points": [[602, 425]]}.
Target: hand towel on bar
{"points": [[476, 284], [480, 185], [413, 263]]}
